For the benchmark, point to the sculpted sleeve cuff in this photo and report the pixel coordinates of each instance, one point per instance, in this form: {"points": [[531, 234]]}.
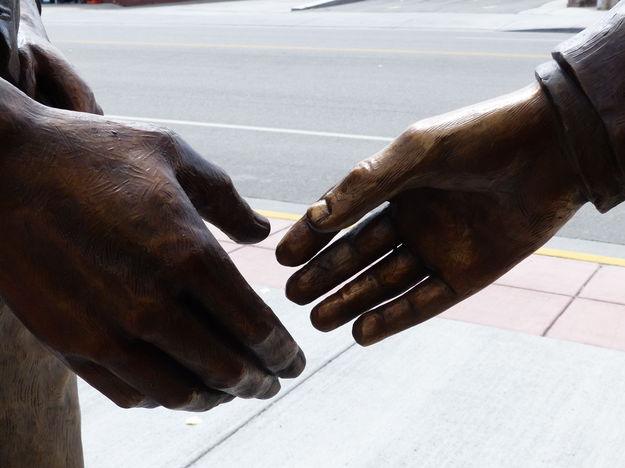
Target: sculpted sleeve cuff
{"points": [[586, 85]]}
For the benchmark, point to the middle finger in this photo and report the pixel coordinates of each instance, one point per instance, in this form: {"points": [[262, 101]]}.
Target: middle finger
{"points": [[357, 249]]}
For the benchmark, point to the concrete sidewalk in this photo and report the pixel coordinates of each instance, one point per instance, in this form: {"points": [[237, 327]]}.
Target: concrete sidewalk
{"points": [[505, 379]]}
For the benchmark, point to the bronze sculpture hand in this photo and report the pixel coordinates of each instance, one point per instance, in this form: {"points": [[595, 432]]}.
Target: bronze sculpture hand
{"points": [[45, 74], [9, 24], [105, 258], [471, 194]]}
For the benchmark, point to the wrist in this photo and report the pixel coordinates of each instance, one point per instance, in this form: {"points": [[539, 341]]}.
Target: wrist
{"points": [[583, 138], [505, 144]]}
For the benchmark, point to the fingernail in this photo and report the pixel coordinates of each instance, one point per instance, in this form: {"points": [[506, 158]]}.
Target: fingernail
{"points": [[263, 224], [226, 398], [148, 403], [369, 330], [318, 212], [273, 391], [295, 290], [296, 368], [321, 318]]}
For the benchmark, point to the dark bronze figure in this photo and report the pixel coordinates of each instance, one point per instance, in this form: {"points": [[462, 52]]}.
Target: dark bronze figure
{"points": [[470, 194], [105, 258]]}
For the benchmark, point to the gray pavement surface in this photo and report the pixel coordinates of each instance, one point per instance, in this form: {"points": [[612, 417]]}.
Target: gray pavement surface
{"points": [[442, 6], [444, 394]]}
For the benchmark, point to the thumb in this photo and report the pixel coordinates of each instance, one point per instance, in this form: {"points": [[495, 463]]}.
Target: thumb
{"points": [[215, 198], [28, 82], [369, 184], [58, 83]]}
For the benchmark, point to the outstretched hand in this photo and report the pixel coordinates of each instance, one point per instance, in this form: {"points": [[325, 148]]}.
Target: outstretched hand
{"points": [[106, 259], [470, 193]]}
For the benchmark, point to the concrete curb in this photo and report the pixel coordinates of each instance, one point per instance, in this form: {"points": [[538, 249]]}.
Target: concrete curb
{"points": [[573, 30], [323, 4]]}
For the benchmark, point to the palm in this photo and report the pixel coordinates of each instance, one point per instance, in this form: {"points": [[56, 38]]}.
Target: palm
{"points": [[470, 239]]}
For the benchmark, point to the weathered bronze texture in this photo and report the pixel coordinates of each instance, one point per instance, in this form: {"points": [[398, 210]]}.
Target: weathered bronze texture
{"points": [[103, 221], [39, 412], [593, 61], [105, 257], [470, 194]]}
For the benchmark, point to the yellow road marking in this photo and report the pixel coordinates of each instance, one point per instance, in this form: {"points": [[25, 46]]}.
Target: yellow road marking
{"points": [[279, 215], [304, 48], [584, 257]]}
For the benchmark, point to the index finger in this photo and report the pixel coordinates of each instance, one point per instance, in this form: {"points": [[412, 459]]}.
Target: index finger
{"points": [[301, 243], [218, 285]]}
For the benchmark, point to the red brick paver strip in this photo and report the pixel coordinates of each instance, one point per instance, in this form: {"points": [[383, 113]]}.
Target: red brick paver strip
{"points": [[278, 230], [550, 274], [592, 322], [567, 299], [607, 285], [510, 308], [259, 267]]}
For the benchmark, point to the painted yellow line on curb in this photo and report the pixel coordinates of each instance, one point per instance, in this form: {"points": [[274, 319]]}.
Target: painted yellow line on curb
{"points": [[279, 215], [305, 48], [584, 257]]}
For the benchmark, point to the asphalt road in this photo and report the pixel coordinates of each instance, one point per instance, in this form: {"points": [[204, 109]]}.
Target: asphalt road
{"points": [[363, 81]]}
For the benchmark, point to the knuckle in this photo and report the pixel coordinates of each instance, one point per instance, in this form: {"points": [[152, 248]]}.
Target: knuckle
{"points": [[164, 139], [421, 138], [129, 402], [361, 171], [222, 181], [256, 384], [277, 349], [168, 135], [241, 379], [234, 377], [413, 132], [179, 401], [358, 178]]}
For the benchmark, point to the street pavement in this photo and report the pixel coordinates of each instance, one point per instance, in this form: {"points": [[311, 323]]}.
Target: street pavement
{"points": [[527, 373], [255, 64]]}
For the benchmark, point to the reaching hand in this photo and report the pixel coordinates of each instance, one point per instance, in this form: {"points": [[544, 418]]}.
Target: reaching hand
{"points": [[470, 194], [105, 258], [45, 74], [9, 23]]}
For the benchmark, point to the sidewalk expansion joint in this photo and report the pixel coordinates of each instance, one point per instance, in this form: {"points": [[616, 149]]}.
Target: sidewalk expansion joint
{"points": [[568, 304], [265, 409]]}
